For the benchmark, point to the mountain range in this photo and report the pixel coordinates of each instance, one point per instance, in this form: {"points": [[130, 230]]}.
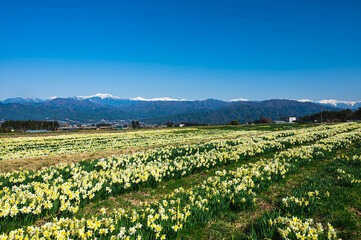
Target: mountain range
{"points": [[86, 109], [336, 103]]}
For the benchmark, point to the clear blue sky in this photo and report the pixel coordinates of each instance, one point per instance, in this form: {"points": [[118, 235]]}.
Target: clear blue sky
{"points": [[181, 49]]}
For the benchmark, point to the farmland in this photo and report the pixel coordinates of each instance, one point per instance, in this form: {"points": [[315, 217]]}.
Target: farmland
{"points": [[277, 182]]}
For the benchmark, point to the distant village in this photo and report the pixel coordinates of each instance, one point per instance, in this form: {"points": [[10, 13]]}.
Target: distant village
{"points": [[69, 125], [39, 126]]}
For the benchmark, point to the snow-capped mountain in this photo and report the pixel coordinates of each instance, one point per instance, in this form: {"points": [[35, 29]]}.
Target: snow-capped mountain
{"points": [[155, 110], [108, 99], [104, 98], [305, 100], [26, 100], [51, 98], [336, 103], [109, 96], [98, 95], [22, 100], [239, 100], [156, 99], [101, 98]]}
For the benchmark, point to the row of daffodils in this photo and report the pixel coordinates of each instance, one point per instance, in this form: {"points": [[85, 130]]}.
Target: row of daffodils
{"points": [[294, 227], [345, 176], [24, 147], [187, 208], [236, 189], [293, 218], [26, 196]]}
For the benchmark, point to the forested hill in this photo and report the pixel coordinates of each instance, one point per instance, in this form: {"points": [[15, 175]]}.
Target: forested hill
{"points": [[206, 111], [247, 111]]}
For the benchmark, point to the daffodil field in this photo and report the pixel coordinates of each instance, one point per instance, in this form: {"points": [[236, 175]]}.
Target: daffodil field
{"points": [[24, 147], [325, 195], [57, 193]]}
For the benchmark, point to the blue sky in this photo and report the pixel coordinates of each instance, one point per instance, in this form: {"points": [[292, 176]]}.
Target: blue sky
{"points": [[181, 49]]}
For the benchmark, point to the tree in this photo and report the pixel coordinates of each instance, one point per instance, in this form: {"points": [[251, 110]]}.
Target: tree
{"points": [[266, 120], [170, 124], [234, 122], [135, 124], [358, 114], [335, 116], [31, 125], [5, 129]]}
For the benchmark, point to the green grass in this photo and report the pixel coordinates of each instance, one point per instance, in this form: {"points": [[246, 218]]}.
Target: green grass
{"points": [[342, 209]]}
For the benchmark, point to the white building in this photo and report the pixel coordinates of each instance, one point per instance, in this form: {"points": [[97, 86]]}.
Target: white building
{"points": [[288, 119]]}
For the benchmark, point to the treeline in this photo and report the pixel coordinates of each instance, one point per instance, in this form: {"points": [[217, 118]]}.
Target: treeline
{"points": [[29, 125], [334, 116]]}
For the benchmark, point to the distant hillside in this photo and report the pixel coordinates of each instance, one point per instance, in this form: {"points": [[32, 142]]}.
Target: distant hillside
{"points": [[152, 109], [246, 111], [93, 109], [61, 109]]}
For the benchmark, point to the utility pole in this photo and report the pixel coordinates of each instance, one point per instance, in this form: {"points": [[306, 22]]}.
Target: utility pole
{"points": [[321, 116]]}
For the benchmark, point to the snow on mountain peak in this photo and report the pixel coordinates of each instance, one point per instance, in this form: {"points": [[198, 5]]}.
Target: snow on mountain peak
{"points": [[21, 100], [239, 100], [332, 102], [99, 95], [335, 102], [156, 99], [51, 98], [304, 100]]}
